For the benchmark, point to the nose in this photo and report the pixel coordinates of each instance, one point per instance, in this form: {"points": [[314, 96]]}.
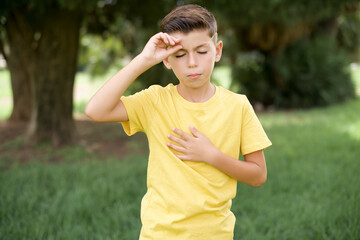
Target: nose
{"points": [[192, 61]]}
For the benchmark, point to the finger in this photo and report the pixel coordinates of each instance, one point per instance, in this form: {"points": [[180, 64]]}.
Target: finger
{"points": [[194, 131], [164, 38], [176, 147], [160, 38], [182, 134], [177, 140], [176, 39], [182, 157], [173, 49], [157, 40], [172, 40]]}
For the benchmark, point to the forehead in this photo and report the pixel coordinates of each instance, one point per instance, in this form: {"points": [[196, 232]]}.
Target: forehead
{"points": [[193, 39]]}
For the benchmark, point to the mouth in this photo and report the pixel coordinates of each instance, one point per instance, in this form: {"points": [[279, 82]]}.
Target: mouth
{"points": [[194, 76]]}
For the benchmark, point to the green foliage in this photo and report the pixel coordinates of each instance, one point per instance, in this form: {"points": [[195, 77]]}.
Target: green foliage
{"points": [[315, 73], [250, 73], [284, 12], [256, 31], [348, 35], [41, 6], [5, 94], [355, 73], [158, 74], [98, 55], [123, 27], [5, 86], [311, 72], [311, 191]]}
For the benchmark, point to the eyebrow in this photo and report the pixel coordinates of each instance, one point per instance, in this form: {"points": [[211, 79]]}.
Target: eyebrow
{"points": [[201, 45], [195, 48]]}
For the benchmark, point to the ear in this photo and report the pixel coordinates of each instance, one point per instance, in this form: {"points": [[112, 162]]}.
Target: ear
{"points": [[166, 63], [219, 47]]}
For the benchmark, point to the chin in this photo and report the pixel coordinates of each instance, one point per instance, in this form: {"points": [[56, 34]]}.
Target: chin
{"points": [[195, 83]]}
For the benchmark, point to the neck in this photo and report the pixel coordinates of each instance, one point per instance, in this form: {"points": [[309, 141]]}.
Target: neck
{"points": [[196, 95]]}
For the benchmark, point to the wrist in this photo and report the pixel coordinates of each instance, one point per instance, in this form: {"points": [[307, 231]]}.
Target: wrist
{"points": [[215, 155], [146, 60]]}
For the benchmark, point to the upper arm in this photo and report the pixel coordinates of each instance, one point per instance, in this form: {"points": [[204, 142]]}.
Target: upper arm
{"points": [[257, 158], [118, 114]]}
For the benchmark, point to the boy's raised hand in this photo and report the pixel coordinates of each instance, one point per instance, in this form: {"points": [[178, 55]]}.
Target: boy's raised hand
{"points": [[159, 47]]}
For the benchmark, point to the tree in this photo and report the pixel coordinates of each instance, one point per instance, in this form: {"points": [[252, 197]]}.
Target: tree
{"points": [[42, 60], [20, 80], [40, 42], [265, 30]]}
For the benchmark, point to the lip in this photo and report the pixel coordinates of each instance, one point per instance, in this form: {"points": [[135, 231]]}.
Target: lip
{"points": [[194, 76]]}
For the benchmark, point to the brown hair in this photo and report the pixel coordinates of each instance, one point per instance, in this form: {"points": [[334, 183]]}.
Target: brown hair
{"points": [[187, 18]]}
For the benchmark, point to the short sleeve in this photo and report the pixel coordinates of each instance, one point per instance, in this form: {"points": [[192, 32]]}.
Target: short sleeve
{"points": [[253, 136], [139, 110]]}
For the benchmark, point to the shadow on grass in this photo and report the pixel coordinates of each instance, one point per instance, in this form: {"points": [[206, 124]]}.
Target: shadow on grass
{"points": [[95, 141]]}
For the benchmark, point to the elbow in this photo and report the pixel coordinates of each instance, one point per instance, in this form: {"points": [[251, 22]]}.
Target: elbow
{"points": [[90, 112], [259, 181]]}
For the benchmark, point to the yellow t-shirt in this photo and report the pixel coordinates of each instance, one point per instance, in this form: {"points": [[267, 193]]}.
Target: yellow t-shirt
{"points": [[191, 200]]}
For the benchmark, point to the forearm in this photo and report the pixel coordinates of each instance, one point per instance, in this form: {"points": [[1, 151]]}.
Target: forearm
{"points": [[197, 147], [107, 97], [247, 172], [105, 105]]}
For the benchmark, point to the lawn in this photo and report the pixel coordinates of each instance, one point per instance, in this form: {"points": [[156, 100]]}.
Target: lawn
{"points": [[79, 192], [313, 181], [312, 190]]}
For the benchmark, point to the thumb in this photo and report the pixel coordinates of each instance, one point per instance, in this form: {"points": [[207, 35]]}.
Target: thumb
{"points": [[194, 131]]}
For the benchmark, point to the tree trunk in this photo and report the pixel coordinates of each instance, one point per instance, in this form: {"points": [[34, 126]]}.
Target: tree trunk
{"points": [[51, 67], [21, 91], [18, 42]]}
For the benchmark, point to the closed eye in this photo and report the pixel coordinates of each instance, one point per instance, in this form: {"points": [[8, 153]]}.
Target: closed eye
{"points": [[202, 52], [179, 56]]}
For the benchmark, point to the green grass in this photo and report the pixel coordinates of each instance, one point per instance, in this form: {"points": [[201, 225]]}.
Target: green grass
{"points": [[77, 200], [312, 190], [313, 181]]}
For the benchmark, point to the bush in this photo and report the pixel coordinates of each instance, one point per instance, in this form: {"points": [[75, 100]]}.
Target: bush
{"points": [[311, 72], [316, 72], [348, 35], [250, 71]]}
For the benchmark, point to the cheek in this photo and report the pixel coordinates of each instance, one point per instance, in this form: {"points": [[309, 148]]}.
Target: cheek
{"points": [[209, 63], [177, 65], [177, 70]]}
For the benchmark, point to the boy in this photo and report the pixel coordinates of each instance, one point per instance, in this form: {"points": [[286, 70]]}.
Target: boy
{"points": [[195, 130]]}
